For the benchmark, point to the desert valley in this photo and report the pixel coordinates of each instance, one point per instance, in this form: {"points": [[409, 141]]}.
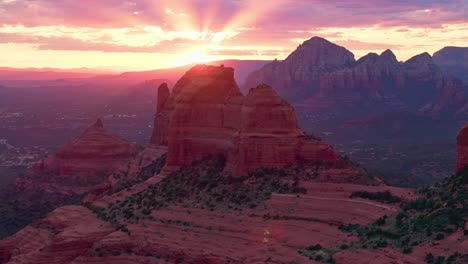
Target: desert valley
{"points": [[228, 175]]}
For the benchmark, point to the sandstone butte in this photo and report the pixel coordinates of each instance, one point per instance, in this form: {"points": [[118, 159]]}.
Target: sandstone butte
{"points": [[64, 177], [462, 143], [206, 114], [86, 159]]}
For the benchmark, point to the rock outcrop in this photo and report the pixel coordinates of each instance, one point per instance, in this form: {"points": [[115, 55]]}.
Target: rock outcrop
{"points": [[161, 120], [94, 153], [322, 76], [462, 155], [209, 116], [64, 177]]}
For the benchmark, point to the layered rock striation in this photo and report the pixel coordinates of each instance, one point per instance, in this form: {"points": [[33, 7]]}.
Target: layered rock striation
{"points": [[63, 177], [208, 115], [95, 152]]}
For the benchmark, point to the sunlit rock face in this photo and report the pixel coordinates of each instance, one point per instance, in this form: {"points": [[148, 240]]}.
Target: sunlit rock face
{"points": [[209, 115], [205, 108], [462, 157], [95, 152]]}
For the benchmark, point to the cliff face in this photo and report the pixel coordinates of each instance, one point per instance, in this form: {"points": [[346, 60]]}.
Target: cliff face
{"points": [[462, 156], [320, 75], [209, 115], [161, 119], [205, 110], [95, 152]]}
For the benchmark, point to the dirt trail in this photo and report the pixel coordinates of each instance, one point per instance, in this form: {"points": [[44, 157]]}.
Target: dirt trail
{"points": [[389, 208]]}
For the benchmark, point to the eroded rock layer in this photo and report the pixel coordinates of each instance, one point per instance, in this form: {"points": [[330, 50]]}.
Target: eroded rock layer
{"points": [[207, 115], [96, 152]]}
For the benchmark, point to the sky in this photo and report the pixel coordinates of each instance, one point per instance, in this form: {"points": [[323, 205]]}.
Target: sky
{"points": [[152, 34]]}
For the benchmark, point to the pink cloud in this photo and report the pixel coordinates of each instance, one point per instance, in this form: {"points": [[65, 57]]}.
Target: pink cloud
{"points": [[291, 14]]}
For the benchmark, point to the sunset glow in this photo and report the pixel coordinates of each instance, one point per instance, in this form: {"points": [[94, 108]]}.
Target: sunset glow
{"points": [[158, 34]]}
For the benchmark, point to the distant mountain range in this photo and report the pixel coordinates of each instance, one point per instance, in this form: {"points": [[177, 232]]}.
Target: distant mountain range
{"points": [[453, 60], [57, 77], [320, 75]]}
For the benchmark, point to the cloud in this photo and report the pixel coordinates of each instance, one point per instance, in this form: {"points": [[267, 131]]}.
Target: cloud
{"points": [[235, 28], [361, 45], [71, 44], [283, 13]]}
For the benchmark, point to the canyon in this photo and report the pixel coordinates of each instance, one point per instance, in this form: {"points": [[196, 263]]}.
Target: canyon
{"points": [[223, 168]]}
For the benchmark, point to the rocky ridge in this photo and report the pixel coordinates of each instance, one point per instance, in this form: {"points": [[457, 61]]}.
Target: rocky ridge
{"points": [[337, 83]]}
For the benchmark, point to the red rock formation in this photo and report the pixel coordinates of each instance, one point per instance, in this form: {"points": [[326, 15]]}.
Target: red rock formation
{"points": [[204, 115], [269, 136], [95, 152], [73, 234], [209, 115], [462, 142], [64, 177], [161, 120]]}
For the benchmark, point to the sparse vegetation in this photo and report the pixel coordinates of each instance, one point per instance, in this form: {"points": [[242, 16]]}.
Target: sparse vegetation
{"points": [[18, 209], [439, 211], [318, 253], [204, 185], [451, 259], [147, 172], [385, 197]]}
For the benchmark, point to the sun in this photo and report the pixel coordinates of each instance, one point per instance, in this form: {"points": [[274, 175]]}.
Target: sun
{"points": [[195, 57]]}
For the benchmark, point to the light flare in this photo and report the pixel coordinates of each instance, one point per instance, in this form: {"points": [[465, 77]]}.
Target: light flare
{"points": [[195, 57]]}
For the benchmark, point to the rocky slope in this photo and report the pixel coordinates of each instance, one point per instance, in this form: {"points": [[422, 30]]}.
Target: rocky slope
{"points": [[179, 233], [318, 223], [194, 212], [320, 76]]}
